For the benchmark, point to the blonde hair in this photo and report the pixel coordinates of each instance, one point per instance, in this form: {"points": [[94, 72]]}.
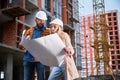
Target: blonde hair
{"points": [[61, 33]]}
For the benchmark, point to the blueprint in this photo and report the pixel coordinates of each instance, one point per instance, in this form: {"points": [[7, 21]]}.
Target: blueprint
{"points": [[49, 50]]}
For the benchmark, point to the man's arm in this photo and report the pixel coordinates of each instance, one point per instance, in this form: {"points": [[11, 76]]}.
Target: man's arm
{"points": [[46, 32]]}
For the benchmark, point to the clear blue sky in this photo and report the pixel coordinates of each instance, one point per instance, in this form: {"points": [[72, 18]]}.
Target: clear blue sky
{"points": [[112, 4], [86, 6]]}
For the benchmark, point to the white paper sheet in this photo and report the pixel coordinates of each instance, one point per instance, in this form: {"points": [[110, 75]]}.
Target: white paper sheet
{"points": [[49, 50]]}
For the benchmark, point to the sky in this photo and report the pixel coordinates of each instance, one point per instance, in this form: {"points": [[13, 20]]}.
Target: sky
{"points": [[86, 6]]}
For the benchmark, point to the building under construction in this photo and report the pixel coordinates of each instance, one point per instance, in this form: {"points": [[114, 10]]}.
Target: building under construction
{"points": [[87, 52], [96, 31], [17, 15]]}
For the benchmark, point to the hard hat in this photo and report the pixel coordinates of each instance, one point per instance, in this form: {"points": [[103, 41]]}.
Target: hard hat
{"points": [[41, 15], [57, 21]]}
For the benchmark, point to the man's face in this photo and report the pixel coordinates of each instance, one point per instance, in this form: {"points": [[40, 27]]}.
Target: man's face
{"points": [[54, 28], [39, 22]]}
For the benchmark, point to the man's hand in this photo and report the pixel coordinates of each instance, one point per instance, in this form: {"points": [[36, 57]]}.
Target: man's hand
{"points": [[21, 47]]}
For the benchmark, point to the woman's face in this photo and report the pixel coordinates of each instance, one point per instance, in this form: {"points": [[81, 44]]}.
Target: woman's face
{"points": [[54, 28]]}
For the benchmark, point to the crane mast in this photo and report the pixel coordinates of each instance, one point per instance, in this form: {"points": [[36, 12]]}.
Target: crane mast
{"points": [[101, 45]]}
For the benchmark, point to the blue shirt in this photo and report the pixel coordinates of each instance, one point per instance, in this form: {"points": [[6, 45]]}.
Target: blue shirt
{"points": [[36, 34]]}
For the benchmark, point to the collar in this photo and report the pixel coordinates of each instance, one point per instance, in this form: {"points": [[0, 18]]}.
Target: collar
{"points": [[42, 28]]}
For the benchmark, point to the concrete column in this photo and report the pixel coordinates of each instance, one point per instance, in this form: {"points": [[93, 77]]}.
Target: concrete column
{"points": [[64, 11], [9, 67], [52, 9], [39, 4], [21, 73]]}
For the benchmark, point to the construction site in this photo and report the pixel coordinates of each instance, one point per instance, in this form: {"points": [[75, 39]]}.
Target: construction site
{"points": [[94, 37]]}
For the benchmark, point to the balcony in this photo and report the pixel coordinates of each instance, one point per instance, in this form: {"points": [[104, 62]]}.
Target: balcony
{"points": [[15, 11], [15, 3], [47, 5], [67, 27], [70, 2], [14, 8], [74, 19], [31, 4], [11, 9]]}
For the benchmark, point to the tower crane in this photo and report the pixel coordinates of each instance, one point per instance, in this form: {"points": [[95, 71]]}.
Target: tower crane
{"points": [[101, 45]]}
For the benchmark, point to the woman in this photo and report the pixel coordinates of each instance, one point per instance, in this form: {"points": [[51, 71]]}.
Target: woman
{"points": [[68, 68]]}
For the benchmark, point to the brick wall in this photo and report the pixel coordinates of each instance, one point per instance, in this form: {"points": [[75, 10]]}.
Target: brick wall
{"points": [[9, 33]]}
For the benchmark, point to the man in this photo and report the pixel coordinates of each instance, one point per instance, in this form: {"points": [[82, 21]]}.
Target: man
{"points": [[30, 63]]}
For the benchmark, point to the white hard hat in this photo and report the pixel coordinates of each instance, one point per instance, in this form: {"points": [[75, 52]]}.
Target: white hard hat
{"points": [[41, 15], [57, 21]]}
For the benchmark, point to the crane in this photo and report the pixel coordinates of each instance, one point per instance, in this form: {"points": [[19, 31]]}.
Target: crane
{"points": [[101, 45]]}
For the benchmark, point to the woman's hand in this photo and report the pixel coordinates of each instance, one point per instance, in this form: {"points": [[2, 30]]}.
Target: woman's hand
{"points": [[68, 51]]}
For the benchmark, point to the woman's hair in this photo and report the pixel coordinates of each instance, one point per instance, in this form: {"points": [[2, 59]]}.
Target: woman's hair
{"points": [[61, 33]]}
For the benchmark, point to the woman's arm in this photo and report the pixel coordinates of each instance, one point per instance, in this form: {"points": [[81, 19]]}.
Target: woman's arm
{"points": [[69, 48]]}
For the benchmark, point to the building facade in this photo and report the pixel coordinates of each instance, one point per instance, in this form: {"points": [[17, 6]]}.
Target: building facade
{"points": [[87, 52], [87, 38], [114, 38], [17, 15]]}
